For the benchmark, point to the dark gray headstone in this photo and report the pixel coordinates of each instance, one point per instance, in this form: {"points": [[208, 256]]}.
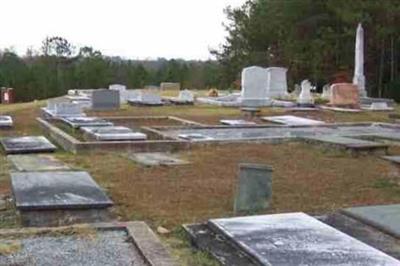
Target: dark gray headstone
{"points": [[385, 217], [15, 145], [57, 190], [297, 239], [33, 163], [254, 188], [103, 99]]}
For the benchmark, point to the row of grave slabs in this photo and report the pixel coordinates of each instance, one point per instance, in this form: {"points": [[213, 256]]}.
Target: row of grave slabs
{"points": [[48, 192], [169, 133]]}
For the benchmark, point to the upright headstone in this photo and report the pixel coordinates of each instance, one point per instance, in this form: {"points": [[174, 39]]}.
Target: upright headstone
{"points": [[254, 189], [68, 109], [122, 92], [103, 99], [359, 78], [276, 82], [326, 92], [345, 95], [170, 86], [186, 95], [254, 86], [305, 98]]}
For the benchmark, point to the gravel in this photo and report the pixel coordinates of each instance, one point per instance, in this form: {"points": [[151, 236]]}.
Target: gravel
{"points": [[104, 248]]}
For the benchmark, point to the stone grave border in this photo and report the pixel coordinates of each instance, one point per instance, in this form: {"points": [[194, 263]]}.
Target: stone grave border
{"points": [[74, 145], [142, 238]]}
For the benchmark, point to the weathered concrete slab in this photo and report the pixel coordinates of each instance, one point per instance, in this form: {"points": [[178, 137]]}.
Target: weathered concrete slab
{"points": [[239, 122], [6, 121], [385, 217], [297, 239], [110, 133], [18, 145], [393, 159], [348, 143], [57, 190], [157, 159], [36, 163], [128, 243], [77, 122], [292, 120]]}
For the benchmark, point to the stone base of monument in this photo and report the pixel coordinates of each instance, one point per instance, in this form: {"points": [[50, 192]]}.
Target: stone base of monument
{"points": [[112, 244], [250, 112], [294, 239], [58, 198]]}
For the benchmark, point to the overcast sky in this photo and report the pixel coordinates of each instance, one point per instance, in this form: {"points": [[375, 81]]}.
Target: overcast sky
{"points": [[129, 28]]}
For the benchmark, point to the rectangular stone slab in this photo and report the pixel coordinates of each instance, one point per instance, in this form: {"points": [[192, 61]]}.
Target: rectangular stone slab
{"points": [[385, 217], [32, 163], [297, 239], [113, 133], [292, 120], [77, 122], [57, 190], [6, 121], [346, 142], [157, 158], [237, 122], [393, 159], [18, 145]]}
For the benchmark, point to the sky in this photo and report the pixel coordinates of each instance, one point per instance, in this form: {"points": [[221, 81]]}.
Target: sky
{"points": [[136, 29]]}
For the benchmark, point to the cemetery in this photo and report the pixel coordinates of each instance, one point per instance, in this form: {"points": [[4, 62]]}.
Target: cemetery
{"points": [[270, 173]]}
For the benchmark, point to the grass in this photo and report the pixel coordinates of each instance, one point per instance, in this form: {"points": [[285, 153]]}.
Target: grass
{"points": [[305, 178]]}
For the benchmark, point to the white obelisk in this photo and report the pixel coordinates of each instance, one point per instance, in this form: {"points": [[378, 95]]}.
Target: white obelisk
{"points": [[359, 78]]}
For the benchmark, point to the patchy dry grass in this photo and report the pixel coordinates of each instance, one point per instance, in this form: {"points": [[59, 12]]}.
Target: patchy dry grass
{"points": [[304, 179]]}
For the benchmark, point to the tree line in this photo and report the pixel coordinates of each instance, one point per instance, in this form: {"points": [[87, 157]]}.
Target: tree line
{"points": [[315, 40], [59, 66]]}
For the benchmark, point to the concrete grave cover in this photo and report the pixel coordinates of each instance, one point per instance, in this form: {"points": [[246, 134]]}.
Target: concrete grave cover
{"points": [[297, 239], [57, 190], [14, 145], [6, 121]]}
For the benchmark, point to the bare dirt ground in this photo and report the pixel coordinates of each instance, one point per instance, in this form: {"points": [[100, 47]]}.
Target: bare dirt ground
{"points": [[305, 178]]}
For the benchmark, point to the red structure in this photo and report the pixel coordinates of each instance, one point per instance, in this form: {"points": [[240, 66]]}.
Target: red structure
{"points": [[7, 95]]}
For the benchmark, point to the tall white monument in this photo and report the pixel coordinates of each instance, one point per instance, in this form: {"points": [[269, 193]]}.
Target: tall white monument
{"points": [[359, 78]]}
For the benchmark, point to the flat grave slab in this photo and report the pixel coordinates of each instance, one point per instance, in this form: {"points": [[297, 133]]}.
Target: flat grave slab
{"points": [[6, 121], [113, 244], [195, 137], [240, 122], [77, 122], [18, 145], [39, 163], [348, 143], [57, 190], [292, 120], [297, 239], [340, 109], [384, 217], [393, 159], [157, 159], [113, 133]]}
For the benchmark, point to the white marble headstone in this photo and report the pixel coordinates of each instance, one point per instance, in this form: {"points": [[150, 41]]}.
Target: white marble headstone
{"points": [[186, 95], [277, 82], [305, 97]]}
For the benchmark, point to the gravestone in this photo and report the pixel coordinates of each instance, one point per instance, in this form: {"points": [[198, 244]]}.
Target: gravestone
{"points": [[254, 86], [276, 82], [103, 99], [345, 95], [292, 120], [195, 137], [147, 99], [254, 188], [170, 86], [77, 122], [122, 92], [326, 92], [55, 198], [384, 217], [66, 109], [157, 159], [305, 98], [113, 133], [378, 106], [6, 121], [19, 145], [393, 159], [36, 163], [186, 96], [296, 239], [238, 122]]}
